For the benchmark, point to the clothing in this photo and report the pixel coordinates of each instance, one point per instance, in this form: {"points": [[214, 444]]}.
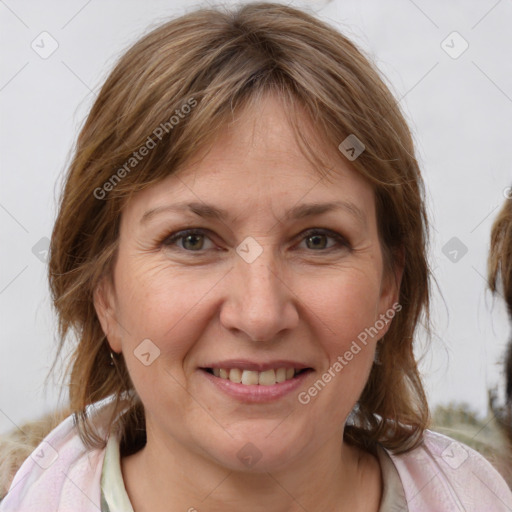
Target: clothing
{"points": [[441, 475], [114, 497], [393, 494]]}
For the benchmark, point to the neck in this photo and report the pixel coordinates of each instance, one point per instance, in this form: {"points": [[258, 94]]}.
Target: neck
{"points": [[165, 472]]}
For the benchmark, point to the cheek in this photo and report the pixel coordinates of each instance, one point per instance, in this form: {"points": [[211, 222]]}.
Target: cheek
{"points": [[344, 309], [168, 308], [346, 304], [162, 304]]}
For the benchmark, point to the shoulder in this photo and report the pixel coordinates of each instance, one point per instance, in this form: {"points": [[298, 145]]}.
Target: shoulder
{"points": [[445, 473], [61, 471], [18, 444]]}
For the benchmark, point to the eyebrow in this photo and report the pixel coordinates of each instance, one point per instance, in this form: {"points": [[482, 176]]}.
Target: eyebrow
{"points": [[297, 212]]}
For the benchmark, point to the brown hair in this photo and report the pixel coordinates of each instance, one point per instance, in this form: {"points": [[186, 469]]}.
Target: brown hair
{"points": [[500, 277], [219, 60], [500, 254]]}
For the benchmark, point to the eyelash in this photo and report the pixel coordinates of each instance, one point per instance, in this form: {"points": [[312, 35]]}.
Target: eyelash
{"points": [[342, 242]]}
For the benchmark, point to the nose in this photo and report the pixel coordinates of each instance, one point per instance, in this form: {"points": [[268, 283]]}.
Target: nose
{"points": [[259, 300]]}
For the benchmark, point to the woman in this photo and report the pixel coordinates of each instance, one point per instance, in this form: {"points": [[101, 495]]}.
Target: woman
{"points": [[241, 252]]}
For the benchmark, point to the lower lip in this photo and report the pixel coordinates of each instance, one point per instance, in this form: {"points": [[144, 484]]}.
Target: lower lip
{"points": [[256, 392]]}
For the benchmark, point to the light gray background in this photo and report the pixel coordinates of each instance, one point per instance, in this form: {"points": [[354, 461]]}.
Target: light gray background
{"points": [[460, 111]]}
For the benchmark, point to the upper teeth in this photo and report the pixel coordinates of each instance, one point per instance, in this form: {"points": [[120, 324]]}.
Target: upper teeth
{"points": [[249, 377]]}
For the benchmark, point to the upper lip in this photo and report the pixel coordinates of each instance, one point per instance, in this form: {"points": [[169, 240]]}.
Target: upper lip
{"points": [[243, 364]]}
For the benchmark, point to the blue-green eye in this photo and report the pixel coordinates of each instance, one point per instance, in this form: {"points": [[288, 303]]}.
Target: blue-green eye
{"points": [[193, 240], [319, 238]]}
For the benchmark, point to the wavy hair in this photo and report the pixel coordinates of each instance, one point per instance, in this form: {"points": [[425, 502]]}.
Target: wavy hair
{"points": [[500, 254], [223, 59]]}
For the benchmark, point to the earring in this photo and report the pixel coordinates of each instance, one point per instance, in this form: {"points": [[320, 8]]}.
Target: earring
{"points": [[112, 362]]}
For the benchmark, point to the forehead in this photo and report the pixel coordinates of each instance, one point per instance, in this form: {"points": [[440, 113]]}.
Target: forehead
{"points": [[255, 164]]}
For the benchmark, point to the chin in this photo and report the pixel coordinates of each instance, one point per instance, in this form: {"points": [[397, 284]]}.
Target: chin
{"points": [[258, 452]]}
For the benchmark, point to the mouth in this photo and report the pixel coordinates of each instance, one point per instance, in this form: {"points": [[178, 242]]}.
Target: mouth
{"points": [[253, 386], [246, 377], [250, 382]]}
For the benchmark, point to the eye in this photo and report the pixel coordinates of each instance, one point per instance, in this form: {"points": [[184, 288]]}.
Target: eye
{"points": [[316, 239], [192, 240]]}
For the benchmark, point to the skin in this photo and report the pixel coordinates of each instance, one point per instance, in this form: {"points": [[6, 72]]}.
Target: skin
{"points": [[301, 299]]}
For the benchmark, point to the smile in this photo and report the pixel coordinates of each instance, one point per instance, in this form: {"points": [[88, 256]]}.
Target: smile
{"points": [[252, 378], [253, 386]]}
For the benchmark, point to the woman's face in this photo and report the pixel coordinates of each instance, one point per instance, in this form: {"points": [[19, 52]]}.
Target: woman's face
{"points": [[266, 282]]}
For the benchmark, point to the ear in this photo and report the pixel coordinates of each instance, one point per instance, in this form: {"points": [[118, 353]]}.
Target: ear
{"points": [[391, 282], [105, 306]]}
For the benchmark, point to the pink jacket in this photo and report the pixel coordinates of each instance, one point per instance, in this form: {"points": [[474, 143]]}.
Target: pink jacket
{"points": [[441, 475]]}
